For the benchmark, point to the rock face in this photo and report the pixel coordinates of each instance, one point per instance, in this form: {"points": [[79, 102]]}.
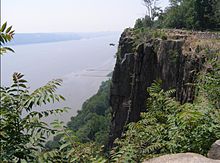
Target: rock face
{"points": [[182, 158], [214, 152], [174, 61]]}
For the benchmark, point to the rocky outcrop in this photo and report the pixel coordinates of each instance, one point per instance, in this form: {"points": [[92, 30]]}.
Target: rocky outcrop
{"points": [[196, 34], [175, 61], [214, 152], [182, 158]]}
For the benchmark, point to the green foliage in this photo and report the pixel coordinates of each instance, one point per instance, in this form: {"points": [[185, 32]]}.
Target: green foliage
{"points": [[141, 35], [23, 132], [159, 34], [6, 35], [210, 81], [139, 23], [190, 14], [92, 122], [169, 127], [174, 17], [205, 14], [193, 14], [70, 149], [83, 138], [145, 22]]}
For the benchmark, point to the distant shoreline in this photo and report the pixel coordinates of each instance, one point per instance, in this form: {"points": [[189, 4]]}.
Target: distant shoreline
{"points": [[39, 38]]}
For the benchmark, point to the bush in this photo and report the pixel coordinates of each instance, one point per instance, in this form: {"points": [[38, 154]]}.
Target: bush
{"points": [[23, 132], [169, 127]]}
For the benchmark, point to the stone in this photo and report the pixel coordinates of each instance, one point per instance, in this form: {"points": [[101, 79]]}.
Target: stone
{"points": [[136, 69], [214, 152], [182, 158]]}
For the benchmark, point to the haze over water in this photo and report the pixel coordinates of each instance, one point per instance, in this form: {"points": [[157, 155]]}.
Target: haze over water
{"points": [[82, 64]]}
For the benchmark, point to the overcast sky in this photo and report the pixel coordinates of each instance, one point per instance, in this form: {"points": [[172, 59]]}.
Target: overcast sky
{"points": [[72, 15]]}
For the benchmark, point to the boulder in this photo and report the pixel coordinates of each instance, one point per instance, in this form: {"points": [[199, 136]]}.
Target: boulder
{"points": [[182, 158], [214, 152]]}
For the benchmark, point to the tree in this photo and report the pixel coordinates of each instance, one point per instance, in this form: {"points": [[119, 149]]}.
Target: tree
{"points": [[205, 14], [175, 2], [139, 23], [216, 17], [145, 22], [193, 14], [152, 9]]}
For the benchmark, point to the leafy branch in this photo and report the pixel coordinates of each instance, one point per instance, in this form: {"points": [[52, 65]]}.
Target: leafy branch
{"points": [[6, 35], [21, 127]]}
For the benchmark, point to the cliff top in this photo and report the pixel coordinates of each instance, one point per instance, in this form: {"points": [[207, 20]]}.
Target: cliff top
{"points": [[195, 42]]}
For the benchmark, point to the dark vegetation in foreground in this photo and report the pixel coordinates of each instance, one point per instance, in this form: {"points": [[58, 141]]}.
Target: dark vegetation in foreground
{"points": [[167, 126]]}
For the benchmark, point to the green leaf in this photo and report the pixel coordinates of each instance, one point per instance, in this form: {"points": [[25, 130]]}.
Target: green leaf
{"points": [[40, 115], [45, 114], [65, 145], [12, 32], [3, 27], [2, 40], [9, 29], [62, 97], [23, 85], [23, 81]]}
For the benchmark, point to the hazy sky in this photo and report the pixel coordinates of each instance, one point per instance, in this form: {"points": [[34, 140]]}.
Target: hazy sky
{"points": [[72, 15]]}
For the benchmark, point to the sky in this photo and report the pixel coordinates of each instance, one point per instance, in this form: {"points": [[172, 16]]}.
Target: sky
{"points": [[31, 16]]}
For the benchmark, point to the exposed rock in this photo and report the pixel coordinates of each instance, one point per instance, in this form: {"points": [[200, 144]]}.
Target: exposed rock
{"points": [[214, 152], [172, 61], [196, 34], [182, 158]]}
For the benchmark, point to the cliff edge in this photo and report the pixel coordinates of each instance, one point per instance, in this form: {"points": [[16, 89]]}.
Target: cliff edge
{"points": [[172, 56]]}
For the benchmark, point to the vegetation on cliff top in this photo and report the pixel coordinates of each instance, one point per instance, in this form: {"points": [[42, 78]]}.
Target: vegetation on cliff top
{"points": [[187, 14]]}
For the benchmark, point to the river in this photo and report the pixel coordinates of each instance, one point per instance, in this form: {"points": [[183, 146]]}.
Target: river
{"points": [[82, 64]]}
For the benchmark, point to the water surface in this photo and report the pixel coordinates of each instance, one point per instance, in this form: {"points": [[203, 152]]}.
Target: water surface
{"points": [[82, 64]]}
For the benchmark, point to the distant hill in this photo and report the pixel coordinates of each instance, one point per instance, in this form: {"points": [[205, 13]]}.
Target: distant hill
{"points": [[32, 38]]}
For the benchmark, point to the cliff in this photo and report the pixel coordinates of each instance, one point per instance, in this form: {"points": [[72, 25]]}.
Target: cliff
{"points": [[173, 56]]}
